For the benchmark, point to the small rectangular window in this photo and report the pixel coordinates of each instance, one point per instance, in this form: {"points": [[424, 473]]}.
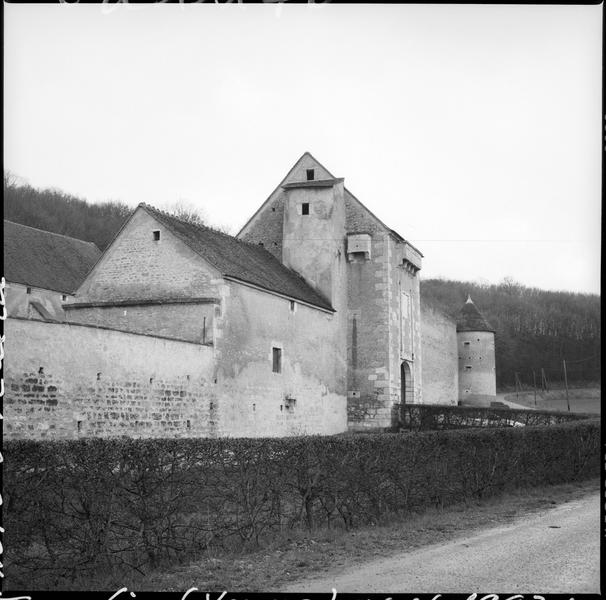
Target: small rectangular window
{"points": [[305, 208], [468, 367], [28, 290], [156, 236], [277, 360], [310, 174], [292, 306], [63, 297], [466, 343]]}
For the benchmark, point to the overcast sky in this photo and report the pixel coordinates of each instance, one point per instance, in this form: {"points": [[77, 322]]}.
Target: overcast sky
{"points": [[474, 131]]}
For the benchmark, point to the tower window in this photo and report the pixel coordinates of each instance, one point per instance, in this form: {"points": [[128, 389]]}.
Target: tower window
{"points": [[276, 360], [156, 235], [305, 208], [310, 174]]}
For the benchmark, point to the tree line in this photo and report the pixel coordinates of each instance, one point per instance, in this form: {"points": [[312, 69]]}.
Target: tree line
{"points": [[534, 329], [54, 210]]}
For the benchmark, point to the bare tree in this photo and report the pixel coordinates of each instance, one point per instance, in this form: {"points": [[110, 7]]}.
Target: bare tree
{"points": [[185, 211]]}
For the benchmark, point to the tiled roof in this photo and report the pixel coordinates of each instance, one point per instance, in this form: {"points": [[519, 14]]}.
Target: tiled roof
{"points": [[471, 319], [247, 262], [46, 260]]}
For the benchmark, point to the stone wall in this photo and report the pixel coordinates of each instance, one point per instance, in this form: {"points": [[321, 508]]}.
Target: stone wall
{"points": [[192, 321], [137, 267], [266, 225], [67, 381], [21, 304], [307, 396], [440, 373], [477, 374]]}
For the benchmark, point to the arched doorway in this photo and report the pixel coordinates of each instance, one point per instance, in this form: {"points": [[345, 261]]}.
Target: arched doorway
{"points": [[406, 388]]}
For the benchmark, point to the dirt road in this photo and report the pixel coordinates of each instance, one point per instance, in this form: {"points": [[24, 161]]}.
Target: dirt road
{"points": [[556, 551]]}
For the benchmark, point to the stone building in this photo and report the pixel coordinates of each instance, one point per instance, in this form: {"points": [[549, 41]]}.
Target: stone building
{"points": [[313, 224], [43, 270], [308, 321], [477, 373]]}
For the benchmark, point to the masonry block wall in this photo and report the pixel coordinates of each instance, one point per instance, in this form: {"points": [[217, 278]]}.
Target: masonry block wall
{"points": [[405, 325], [440, 373], [192, 321], [136, 266], [266, 225], [72, 381], [18, 301], [306, 396], [477, 377], [375, 351]]}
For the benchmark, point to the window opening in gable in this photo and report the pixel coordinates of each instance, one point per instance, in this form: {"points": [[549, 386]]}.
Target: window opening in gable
{"points": [[310, 175], [305, 208], [156, 234], [276, 360]]}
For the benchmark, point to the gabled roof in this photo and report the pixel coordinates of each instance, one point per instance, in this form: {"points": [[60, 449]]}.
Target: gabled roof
{"points": [[46, 260], [246, 262], [311, 184], [471, 319]]}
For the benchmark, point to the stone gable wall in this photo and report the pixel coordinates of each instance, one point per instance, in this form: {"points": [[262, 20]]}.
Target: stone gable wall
{"points": [[266, 226], [137, 267]]}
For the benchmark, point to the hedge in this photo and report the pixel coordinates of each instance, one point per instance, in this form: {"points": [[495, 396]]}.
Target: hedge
{"points": [[74, 508], [420, 417]]}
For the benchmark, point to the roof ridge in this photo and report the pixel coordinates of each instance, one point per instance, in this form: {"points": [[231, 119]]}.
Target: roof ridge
{"points": [[202, 226], [193, 233], [69, 237]]}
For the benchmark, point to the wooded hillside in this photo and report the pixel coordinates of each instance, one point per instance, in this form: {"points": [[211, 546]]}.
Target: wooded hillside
{"points": [[54, 210], [534, 328]]}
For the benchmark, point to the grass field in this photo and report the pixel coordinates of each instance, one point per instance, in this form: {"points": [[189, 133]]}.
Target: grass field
{"points": [[586, 400]]}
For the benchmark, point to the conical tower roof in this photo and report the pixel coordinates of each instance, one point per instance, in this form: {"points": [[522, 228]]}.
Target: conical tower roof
{"points": [[471, 319]]}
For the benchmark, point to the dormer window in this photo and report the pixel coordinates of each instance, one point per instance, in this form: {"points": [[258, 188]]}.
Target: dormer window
{"points": [[305, 208], [310, 175], [156, 235]]}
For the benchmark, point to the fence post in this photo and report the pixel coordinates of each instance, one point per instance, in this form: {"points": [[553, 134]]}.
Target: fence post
{"points": [[566, 384]]}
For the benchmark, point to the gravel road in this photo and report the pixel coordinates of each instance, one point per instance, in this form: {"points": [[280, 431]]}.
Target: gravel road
{"points": [[555, 551]]}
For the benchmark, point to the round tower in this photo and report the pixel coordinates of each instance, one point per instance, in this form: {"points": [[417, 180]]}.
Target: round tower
{"points": [[475, 341]]}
